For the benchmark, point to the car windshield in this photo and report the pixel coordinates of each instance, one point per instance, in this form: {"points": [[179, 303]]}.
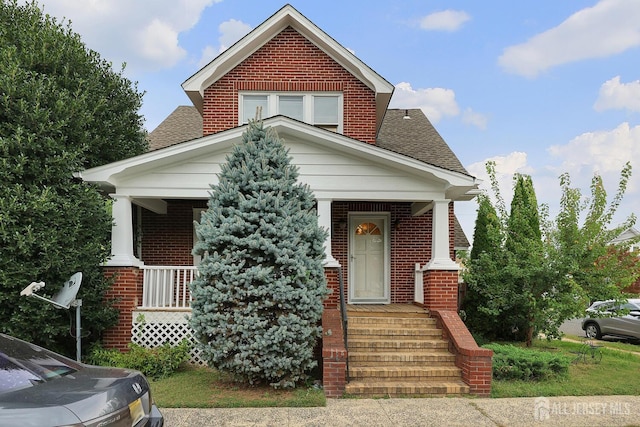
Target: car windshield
{"points": [[24, 365]]}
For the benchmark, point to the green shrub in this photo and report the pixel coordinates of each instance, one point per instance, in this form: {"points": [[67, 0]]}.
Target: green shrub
{"points": [[517, 363], [158, 362]]}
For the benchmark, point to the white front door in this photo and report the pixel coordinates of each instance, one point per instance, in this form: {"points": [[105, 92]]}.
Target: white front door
{"points": [[369, 258]]}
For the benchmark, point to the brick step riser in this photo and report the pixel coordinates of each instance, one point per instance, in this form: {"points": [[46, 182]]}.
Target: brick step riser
{"points": [[395, 332], [394, 392], [397, 345], [417, 323], [378, 337], [404, 372], [418, 360]]}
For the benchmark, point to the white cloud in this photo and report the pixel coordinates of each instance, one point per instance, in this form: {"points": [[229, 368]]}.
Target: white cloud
{"points": [[435, 102], [230, 32], [474, 118], [142, 33], [618, 96], [446, 20], [608, 28], [602, 152]]}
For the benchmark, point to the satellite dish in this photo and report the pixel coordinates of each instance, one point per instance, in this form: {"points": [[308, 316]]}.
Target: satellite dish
{"points": [[67, 294]]}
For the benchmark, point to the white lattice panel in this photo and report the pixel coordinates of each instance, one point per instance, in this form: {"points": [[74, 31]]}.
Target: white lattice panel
{"points": [[155, 328]]}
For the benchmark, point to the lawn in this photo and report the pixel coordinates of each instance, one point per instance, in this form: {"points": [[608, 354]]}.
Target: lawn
{"points": [[201, 387], [617, 373]]}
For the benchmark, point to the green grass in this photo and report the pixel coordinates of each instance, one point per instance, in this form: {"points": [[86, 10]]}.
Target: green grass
{"points": [[616, 374], [193, 387]]}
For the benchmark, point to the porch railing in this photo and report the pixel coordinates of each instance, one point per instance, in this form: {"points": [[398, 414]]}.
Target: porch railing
{"points": [[418, 287], [167, 287]]}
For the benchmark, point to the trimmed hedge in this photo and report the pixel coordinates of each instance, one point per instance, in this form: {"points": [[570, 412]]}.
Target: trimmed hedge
{"points": [[517, 363]]}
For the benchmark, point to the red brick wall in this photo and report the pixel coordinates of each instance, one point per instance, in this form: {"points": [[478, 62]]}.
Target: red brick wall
{"points": [[127, 290], [168, 239], [410, 242], [441, 290], [475, 362], [334, 354], [290, 62]]}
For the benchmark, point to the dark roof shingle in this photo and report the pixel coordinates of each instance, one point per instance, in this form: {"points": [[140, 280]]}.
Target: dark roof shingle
{"points": [[183, 124], [417, 138]]}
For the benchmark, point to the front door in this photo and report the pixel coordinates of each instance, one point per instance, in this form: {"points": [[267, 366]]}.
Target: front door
{"points": [[369, 259]]}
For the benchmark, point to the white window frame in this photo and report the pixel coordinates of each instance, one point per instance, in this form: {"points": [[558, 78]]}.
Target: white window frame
{"points": [[307, 106]]}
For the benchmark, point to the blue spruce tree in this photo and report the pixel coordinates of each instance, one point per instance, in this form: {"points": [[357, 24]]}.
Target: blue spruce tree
{"points": [[257, 301]]}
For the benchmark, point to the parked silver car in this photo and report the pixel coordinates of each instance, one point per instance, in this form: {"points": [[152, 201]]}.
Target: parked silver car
{"points": [[615, 319], [41, 388]]}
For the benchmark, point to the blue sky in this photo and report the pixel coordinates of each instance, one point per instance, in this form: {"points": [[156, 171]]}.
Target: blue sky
{"points": [[541, 87]]}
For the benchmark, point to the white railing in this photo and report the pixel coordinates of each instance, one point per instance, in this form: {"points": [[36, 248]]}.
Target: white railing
{"points": [[167, 287], [418, 287]]}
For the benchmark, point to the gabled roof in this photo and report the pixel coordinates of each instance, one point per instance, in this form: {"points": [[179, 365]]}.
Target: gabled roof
{"points": [[415, 137], [288, 16]]}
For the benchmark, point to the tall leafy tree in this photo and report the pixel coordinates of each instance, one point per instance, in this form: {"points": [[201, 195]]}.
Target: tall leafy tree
{"points": [[62, 109], [581, 240], [257, 301], [542, 272]]}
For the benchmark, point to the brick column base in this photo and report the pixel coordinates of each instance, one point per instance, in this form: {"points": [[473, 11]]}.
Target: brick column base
{"points": [[334, 355], [127, 292], [441, 289]]}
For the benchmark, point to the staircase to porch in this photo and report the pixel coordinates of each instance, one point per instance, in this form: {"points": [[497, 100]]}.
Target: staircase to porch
{"points": [[397, 350]]}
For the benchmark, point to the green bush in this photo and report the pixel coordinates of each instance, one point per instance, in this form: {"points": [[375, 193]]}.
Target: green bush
{"points": [[158, 362], [517, 363]]}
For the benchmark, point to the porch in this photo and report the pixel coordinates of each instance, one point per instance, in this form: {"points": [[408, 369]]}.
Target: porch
{"points": [[381, 349]]}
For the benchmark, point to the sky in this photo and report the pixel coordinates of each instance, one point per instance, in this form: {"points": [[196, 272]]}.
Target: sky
{"points": [[540, 87]]}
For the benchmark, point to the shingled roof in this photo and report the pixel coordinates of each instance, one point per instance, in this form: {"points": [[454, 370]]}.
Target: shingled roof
{"points": [[183, 124], [414, 137], [410, 132]]}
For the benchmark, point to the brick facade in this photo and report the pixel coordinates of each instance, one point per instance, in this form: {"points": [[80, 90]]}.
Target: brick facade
{"points": [[475, 362], [300, 67], [127, 292], [289, 62]]}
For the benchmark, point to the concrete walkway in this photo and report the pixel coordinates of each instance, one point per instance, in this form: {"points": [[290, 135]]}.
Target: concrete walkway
{"points": [[541, 411]]}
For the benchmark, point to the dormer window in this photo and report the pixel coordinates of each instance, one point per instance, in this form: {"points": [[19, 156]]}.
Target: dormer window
{"points": [[319, 109]]}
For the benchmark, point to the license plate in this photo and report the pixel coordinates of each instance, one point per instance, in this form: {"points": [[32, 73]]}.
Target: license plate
{"points": [[136, 411]]}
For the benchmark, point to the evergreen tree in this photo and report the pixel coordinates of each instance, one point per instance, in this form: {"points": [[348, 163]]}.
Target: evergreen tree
{"points": [[257, 301], [481, 305], [62, 109]]}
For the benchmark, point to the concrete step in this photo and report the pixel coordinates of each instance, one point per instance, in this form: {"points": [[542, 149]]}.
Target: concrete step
{"points": [[435, 357], [373, 388]]}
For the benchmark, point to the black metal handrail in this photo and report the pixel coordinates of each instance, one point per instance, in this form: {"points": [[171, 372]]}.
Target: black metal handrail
{"points": [[343, 314]]}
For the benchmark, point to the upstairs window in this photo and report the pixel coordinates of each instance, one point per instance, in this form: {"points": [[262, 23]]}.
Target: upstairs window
{"points": [[319, 109]]}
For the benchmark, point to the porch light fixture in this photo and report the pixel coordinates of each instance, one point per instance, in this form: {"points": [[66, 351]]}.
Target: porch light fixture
{"points": [[341, 225]]}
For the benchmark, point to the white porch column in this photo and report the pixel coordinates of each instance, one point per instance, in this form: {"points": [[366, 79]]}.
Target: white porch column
{"points": [[324, 220], [440, 258], [122, 234]]}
